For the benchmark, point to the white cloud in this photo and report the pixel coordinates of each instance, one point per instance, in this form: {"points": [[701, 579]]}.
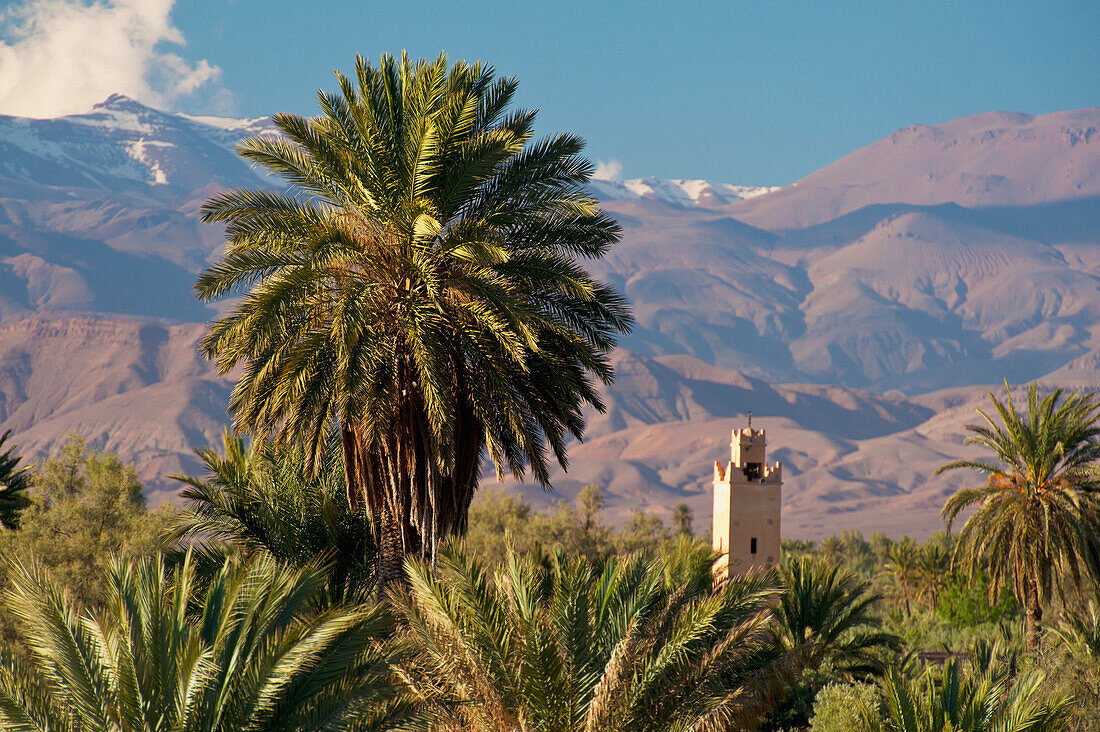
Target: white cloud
{"points": [[62, 56], [610, 170]]}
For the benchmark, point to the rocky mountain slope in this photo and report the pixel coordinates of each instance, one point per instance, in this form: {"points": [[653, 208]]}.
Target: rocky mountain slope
{"points": [[985, 160], [860, 313]]}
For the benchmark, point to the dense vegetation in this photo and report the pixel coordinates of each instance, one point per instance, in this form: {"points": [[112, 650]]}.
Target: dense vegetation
{"points": [[537, 620], [413, 305]]}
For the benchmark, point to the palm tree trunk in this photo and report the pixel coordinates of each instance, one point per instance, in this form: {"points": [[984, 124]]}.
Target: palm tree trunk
{"points": [[365, 475], [1033, 611], [391, 555]]}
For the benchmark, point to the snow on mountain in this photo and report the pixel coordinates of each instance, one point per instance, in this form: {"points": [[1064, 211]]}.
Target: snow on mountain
{"points": [[122, 145], [676, 191]]}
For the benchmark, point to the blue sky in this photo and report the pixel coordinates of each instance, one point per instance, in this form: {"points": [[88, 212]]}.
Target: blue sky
{"points": [[754, 93]]}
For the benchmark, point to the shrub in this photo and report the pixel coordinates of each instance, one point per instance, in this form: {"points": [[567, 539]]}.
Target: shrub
{"points": [[965, 603], [839, 707]]}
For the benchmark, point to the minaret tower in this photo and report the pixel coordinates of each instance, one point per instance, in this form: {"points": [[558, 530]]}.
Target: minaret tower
{"points": [[748, 498]]}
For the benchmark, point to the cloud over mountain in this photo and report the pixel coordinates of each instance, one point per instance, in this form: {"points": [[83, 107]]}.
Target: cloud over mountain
{"points": [[61, 56]]}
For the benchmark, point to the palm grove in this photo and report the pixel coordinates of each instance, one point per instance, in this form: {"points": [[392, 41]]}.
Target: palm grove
{"points": [[412, 303]]}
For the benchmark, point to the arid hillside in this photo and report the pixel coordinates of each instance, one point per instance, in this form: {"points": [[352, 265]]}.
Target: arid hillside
{"points": [[860, 313]]}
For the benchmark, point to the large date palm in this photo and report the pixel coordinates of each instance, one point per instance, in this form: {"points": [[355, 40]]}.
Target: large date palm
{"points": [[1036, 525], [415, 292]]}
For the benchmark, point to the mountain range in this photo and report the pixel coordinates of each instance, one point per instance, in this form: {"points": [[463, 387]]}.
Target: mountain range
{"points": [[860, 313]]}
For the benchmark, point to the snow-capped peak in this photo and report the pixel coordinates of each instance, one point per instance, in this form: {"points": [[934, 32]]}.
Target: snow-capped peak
{"points": [[123, 144], [676, 191]]}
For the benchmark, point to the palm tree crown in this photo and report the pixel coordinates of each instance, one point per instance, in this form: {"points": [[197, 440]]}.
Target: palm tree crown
{"points": [[1037, 518], [14, 482], [416, 291], [827, 613], [635, 646], [167, 656], [261, 499]]}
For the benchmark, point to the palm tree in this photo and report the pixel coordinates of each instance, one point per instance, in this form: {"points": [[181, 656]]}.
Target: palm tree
{"points": [[568, 648], [832, 548], [828, 614], [682, 518], [903, 568], [264, 500], [415, 293], [1037, 518], [164, 656], [934, 566], [14, 482], [1080, 633], [952, 701]]}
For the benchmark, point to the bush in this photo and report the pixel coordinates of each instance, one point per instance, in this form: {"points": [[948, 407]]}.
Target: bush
{"points": [[86, 506], [499, 520], [1072, 673], [965, 603], [839, 707]]}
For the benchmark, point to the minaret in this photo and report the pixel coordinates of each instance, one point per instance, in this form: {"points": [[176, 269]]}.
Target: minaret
{"points": [[748, 499]]}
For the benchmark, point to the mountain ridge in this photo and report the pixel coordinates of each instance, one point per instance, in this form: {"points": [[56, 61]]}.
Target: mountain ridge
{"points": [[860, 316]]}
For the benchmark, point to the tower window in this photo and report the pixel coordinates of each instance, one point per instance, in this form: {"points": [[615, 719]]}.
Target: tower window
{"points": [[752, 545]]}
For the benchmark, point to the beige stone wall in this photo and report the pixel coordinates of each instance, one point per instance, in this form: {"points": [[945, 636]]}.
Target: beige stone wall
{"points": [[747, 513], [743, 512]]}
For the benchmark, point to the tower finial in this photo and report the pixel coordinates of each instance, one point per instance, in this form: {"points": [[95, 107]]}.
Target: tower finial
{"points": [[750, 419]]}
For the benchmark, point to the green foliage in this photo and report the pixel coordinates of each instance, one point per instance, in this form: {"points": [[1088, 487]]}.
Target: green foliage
{"points": [[1035, 524], [685, 560], [499, 520], [827, 613], [827, 616], [682, 519], [1072, 669], [570, 647], [14, 482], [902, 567], [796, 548], [643, 533], [842, 707], [418, 290], [950, 700], [86, 507], [238, 656], [964, 602], [1080, 633], [880, 546], [264, 500]]}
